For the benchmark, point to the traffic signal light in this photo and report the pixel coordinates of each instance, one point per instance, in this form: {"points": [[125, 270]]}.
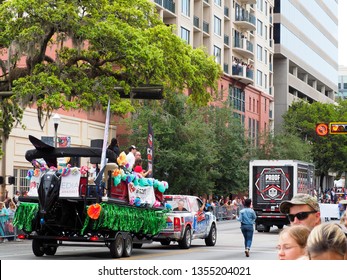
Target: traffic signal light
{"points": [[338, 127]]}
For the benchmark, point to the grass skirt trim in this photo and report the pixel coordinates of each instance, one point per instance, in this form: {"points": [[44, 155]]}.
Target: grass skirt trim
{"points": [[25, 214], [126, 218]]}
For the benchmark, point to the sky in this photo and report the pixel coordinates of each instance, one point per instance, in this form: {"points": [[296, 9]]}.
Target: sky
{"points": [[342, 32]]}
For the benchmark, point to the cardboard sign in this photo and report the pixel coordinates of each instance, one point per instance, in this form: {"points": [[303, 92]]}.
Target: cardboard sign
{"points": [[145, 194], [69, 186]]}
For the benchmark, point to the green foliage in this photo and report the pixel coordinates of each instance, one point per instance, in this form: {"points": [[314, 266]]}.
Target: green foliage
{"points": [[283, 146], [78, 52], [195, 150], [329, 153]]}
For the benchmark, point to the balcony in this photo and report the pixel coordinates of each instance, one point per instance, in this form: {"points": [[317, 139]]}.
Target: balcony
{"points": [[242, 73], [167, 4], [226, 68], [226, 12], [243, 47], [206, 27], [248, 1], [226, 40], [196, 22], [245, 20]]}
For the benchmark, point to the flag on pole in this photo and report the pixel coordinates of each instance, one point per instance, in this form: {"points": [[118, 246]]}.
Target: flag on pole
{"points": [[150, 149], [104, 146]]}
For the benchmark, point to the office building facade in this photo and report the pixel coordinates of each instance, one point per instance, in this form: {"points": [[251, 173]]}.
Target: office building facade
{"points": [[306, 53]]}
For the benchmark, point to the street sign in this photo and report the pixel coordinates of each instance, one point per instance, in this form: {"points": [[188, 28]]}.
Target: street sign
{"points": [[322, 129]]}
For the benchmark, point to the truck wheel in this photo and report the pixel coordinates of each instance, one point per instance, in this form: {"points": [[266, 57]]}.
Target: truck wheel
{"points": [[187, 239], [211, 239], [267, 229], [37, 247], [128, 246], [280, 226], [117, 246], [50, 250]]}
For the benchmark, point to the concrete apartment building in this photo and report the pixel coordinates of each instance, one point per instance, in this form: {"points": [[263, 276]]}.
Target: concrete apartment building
{"points": [[239, 35], [306, 53]]}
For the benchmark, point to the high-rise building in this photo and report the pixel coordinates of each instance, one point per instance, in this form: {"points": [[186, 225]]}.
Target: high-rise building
{"points": [[306, 53], [342, 88], [239, 35]]}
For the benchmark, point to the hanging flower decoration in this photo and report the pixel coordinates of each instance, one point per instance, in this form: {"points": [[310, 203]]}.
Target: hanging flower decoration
{"points": [[84, 170], [122, 159], [94, 211], [36, 172], [66, 170], [74, 171], [30, 174]]}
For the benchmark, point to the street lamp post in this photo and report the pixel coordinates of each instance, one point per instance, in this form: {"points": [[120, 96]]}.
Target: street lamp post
{"points": [[56, 121]]}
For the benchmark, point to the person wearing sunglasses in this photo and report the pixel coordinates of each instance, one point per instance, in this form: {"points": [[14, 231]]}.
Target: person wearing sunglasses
{"points": [[302, 209]]}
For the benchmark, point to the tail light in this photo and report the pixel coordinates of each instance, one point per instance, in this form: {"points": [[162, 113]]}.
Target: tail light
{"points": [[94, 238], [21, 236], [177, 224]]}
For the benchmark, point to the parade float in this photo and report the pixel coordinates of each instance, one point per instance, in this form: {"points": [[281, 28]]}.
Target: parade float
{"points": [[67, 206]]}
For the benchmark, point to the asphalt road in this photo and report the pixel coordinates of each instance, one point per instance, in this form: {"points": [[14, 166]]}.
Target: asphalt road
{"points": [[229, 246]]}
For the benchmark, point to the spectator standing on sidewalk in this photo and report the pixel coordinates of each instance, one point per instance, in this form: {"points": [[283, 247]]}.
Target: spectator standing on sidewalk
{"points": [[327, 242], [3, 220], [247, 218], [302, 209]]}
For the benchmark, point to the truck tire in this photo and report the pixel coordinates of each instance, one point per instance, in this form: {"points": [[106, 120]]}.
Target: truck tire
{"points": [[37, 247], [267, 229], [128, 246], [211, 239], [117, 246], [186, 240], [50, 250]]}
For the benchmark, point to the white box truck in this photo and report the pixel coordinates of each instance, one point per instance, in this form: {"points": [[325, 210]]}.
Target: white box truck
{"points": [[271, 182]]}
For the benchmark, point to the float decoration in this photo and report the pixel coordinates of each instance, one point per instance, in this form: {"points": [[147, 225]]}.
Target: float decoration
{"points": [[25, 215]]}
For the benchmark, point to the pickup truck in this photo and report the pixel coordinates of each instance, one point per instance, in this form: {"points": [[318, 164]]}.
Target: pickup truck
{"points": [[189, 224]]}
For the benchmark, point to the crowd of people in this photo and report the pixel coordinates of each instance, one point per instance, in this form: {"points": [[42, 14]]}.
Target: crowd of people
{"points": [[307, 237], [7, 211]]}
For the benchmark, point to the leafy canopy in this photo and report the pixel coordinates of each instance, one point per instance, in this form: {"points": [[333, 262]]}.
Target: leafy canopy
{"points": [[77, 52]]}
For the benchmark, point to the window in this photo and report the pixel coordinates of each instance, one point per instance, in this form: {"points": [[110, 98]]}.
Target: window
{"points": [[218, 54], [185, 8], [265, 81], [265, 31], [265, 56], [21, 182], [218, 2], [259, 78], [237, 98], [266, 8], [260, 6], [185, 33], [260, 28], [217, 26], [344, 85], [260, 53]]}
